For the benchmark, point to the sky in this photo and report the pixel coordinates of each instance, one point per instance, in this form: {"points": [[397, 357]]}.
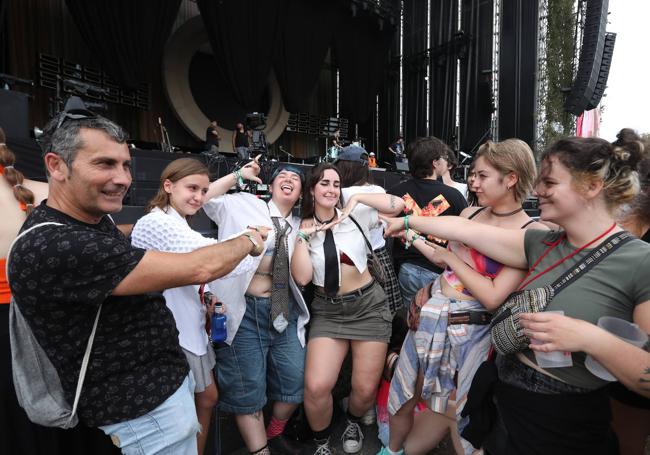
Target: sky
{"points": [[627, 96]]}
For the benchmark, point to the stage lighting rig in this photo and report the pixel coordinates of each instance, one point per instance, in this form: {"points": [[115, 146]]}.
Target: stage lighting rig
{"points": [[96, 106], [83, 88], [8, 80]]}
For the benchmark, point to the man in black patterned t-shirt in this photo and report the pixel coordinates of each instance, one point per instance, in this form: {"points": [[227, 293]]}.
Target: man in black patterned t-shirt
{"points": [[60, 274]]}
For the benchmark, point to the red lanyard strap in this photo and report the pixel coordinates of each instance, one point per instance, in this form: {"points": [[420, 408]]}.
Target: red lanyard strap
{"points": [[565, 258]]}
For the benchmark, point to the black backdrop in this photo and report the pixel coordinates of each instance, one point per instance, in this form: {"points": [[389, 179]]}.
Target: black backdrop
{"points": [[517, 70], [476, 104], [127, 35], [301, 50]]}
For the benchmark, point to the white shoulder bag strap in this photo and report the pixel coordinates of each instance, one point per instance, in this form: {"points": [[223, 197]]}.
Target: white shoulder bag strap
{"points": [[89, 346]]}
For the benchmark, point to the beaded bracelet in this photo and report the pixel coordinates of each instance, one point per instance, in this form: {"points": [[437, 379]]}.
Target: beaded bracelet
{"points": [[408, 243], [303, 236]]}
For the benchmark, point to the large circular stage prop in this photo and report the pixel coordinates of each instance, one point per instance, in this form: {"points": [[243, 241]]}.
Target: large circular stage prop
{"points": [[179, 51]]}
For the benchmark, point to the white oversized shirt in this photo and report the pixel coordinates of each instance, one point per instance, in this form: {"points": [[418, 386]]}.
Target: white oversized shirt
{"points": [[376, 232], [347, 238], [168, 231], [233, 213]]}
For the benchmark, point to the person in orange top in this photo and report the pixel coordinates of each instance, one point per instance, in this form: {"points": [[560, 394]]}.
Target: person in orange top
{"points": [[17, 196], [372, 160]]}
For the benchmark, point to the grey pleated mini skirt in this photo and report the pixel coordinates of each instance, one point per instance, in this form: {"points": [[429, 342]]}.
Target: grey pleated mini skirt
{"points": [[201, 366], [360, 315]]}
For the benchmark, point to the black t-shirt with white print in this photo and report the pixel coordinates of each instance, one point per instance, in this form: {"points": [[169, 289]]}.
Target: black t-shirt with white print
{"points": [[58, 276]]}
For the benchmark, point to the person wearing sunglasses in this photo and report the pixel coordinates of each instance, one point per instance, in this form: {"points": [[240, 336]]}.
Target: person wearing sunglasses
{"points": [[61, 274]]}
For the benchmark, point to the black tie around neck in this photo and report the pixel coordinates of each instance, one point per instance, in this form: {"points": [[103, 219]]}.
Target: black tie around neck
{"points": [[331, 284]]}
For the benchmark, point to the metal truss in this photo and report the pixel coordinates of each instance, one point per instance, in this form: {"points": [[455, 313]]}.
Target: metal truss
{"points": [[496, 41], [542, 79]]}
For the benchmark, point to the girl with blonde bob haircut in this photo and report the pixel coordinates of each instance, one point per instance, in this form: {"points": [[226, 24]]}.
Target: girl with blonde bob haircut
{"points": [[512, 155], [472, 282]]}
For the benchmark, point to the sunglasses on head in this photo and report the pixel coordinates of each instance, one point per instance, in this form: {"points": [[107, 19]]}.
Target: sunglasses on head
{"points": [[74, 114]]}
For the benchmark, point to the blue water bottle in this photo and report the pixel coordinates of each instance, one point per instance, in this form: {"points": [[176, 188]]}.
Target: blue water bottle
{"points": [[219, 332]]}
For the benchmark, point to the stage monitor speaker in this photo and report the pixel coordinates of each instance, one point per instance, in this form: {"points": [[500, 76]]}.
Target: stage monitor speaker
{"points": [[591, 53], [605, 64], [402, 166], [14, 114]]}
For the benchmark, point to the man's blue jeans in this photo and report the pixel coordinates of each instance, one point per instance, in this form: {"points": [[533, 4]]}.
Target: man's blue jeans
{"points": [[169, 429], [412, 278]]}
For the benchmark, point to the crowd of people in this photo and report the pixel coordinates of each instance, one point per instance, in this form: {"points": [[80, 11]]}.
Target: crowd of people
{"points": [[324, 270]]}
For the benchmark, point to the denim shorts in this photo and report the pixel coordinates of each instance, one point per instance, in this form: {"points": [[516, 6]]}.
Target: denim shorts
{"points": [[412, 278], [170, 428], [260, 360]]}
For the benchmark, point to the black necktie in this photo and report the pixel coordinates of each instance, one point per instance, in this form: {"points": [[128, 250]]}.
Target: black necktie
{"points": [[331, 262]]}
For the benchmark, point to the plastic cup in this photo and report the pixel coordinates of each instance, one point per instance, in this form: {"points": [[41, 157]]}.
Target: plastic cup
{"points": [[553, 359], [626, 331]]}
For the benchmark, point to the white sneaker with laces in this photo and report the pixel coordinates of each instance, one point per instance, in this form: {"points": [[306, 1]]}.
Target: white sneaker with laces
{"points": [[352, 438]]}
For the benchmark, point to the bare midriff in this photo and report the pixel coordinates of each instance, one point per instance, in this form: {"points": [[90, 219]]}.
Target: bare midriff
{"points": [[351, 279]]}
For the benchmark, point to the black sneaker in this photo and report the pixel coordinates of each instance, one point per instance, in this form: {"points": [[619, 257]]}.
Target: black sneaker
{"points": [[320, 447], [281, 445], [352, 438]]}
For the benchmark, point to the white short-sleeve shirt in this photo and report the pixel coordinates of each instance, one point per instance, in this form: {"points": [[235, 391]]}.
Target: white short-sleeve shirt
{"points": [[348, 240]]}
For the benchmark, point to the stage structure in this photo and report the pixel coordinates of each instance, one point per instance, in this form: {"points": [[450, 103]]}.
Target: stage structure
{"points": [[462, 70]]}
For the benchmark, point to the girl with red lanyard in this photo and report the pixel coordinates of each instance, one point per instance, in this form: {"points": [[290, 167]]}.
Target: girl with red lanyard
{"points": [[566, 410]]}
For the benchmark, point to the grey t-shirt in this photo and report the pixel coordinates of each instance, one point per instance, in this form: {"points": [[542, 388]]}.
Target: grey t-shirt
{"points": [[612, 288]]}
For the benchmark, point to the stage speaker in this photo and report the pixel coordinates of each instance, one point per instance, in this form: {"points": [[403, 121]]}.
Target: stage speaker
{"points": [[605, 63], [402, 166], [14, 114], [141, 192], [147, 165], [591, 54]]}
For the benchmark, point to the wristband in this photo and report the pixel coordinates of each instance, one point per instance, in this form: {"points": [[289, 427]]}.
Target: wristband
{"points": [[303, 236], [239, 180], [407, 242]]}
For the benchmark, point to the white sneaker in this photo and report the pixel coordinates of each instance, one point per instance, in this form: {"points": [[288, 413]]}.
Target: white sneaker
{"points": [[369, 417], [352, 438]]}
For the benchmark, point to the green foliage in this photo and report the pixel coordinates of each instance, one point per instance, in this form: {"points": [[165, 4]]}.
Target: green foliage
{"points": [[559, 69]]}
